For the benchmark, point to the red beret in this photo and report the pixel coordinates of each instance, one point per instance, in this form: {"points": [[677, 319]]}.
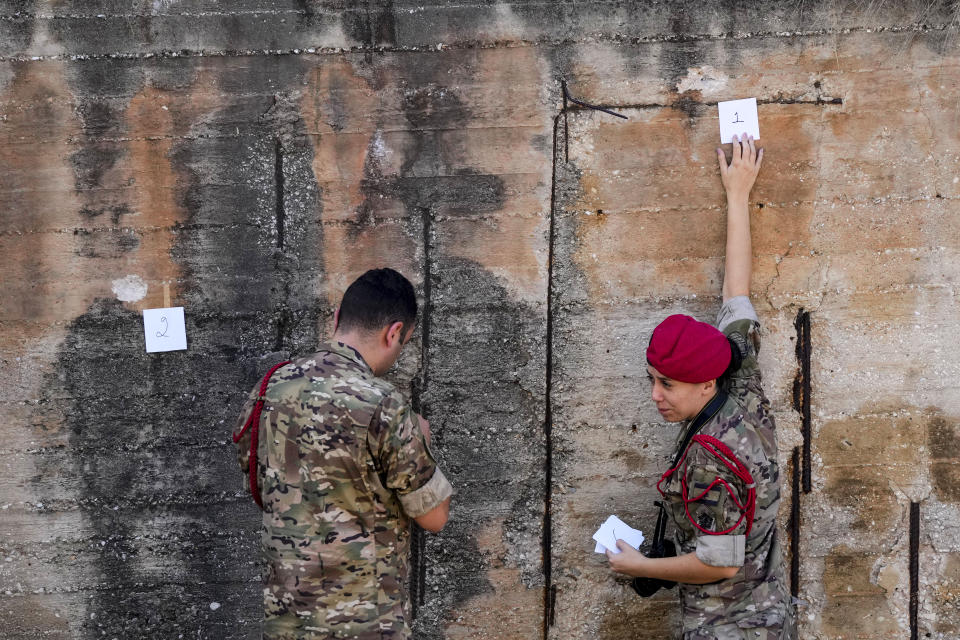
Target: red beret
{"points": [[684, 349]]}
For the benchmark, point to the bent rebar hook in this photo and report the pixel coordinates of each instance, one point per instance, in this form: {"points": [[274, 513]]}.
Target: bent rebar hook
{"points": [[567, 96]]}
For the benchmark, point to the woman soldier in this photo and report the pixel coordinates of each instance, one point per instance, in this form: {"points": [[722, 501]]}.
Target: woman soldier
{"points": [[723, 489]]}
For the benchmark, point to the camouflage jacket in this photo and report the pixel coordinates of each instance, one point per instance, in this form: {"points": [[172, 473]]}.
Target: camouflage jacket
{"points": [[343, 466], [757, 595]]}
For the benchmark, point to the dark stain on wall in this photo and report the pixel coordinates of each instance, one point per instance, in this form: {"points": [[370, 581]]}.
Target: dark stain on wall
{"points": [[479, 337], [91, 163], [171, 535], [490, 423], [16, 29], [677, 59], [371, 23], [108, 243], [152, 475], [868, 498], [102, 90], [942, 438], [943, 441]]}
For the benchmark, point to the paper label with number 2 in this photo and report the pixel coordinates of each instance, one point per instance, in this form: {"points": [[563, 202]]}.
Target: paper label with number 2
{"points": [[164, 329]]}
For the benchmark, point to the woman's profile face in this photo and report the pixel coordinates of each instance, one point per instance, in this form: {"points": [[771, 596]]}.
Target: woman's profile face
{"points": [[678, 401]]}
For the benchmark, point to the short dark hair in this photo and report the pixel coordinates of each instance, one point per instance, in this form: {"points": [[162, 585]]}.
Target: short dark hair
{"points": [[376, 299]]}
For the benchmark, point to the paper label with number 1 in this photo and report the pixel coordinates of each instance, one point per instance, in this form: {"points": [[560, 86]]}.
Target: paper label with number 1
{"points": [[738, 117]]}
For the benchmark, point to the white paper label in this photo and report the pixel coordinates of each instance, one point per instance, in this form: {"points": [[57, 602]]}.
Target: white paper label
{"points": [[164, 329], [738, 117]]}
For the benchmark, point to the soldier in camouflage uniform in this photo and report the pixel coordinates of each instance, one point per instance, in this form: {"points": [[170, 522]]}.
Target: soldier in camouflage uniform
{"points": [[731, 581], [344, 464]]}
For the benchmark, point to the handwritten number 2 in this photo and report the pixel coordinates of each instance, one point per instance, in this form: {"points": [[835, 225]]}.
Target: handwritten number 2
{"points": [[163, 334]]}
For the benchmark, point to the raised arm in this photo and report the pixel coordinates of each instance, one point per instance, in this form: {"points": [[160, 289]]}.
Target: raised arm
{"points": [[738, 178]]}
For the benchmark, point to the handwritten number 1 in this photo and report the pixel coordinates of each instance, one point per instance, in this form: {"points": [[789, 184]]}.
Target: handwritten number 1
{"points": [[737, 118]]}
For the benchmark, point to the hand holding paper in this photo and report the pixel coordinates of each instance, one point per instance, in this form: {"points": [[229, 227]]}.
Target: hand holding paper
{"points": [[738, 117], [614, 529]]}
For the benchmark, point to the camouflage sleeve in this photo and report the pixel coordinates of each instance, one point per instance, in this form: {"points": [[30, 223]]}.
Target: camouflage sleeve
{"points": [[738, 321], [712, 509], [243, 445], [407, 464]]}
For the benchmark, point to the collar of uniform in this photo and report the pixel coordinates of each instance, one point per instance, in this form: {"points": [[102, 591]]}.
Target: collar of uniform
{"points": [[348, 352]]}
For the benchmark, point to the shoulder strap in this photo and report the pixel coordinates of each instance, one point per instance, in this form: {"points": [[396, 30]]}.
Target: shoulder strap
{"points": [[253, 423], [705, 415]]}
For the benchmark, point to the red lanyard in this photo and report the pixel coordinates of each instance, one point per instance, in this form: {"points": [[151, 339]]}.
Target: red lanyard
{"points": [[254, 420], [722, 453]]}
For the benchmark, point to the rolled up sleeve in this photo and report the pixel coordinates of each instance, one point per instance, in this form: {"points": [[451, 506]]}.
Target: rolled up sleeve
{"points": [[409, 467], [721, 551], [720, 525], [736, 308], [428, 497]]}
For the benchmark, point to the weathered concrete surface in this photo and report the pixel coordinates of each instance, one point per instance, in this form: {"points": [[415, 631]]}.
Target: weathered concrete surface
{"points": [[258, 157]]}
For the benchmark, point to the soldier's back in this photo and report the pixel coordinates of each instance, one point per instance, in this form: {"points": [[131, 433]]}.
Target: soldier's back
{"points": [[326, 518]]}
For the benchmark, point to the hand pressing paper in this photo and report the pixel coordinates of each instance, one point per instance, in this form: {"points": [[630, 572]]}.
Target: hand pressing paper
{"points": [[738, 117], [614, 529]]}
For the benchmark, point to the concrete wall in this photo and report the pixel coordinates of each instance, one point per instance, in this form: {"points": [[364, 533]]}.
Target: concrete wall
{"points": [[256, 158]]}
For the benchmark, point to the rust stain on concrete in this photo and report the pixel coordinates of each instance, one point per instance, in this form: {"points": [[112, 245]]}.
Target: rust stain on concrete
{"points": [[38, 185], [156, 193], [364, 226], [943, 440]]}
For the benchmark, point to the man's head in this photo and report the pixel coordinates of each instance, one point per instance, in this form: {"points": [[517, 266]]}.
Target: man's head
{"points": [[685, 357], [377, 316]]}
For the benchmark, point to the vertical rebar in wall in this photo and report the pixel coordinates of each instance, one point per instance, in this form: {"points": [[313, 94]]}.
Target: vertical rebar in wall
{"points": [[560, 122], [801, 392], [795, 525], [914, 569], [549, 590], [418, 539]]}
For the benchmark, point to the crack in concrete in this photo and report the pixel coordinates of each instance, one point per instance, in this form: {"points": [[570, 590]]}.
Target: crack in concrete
{"points": [[938, 177], [776, 277]]}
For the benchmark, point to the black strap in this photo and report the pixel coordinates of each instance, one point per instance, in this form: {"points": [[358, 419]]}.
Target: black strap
{"points": [[705, 415], [661, 529]]}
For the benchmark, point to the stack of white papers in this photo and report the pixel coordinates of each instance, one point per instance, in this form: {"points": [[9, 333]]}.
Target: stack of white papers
{"points": [[616, 529]]}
